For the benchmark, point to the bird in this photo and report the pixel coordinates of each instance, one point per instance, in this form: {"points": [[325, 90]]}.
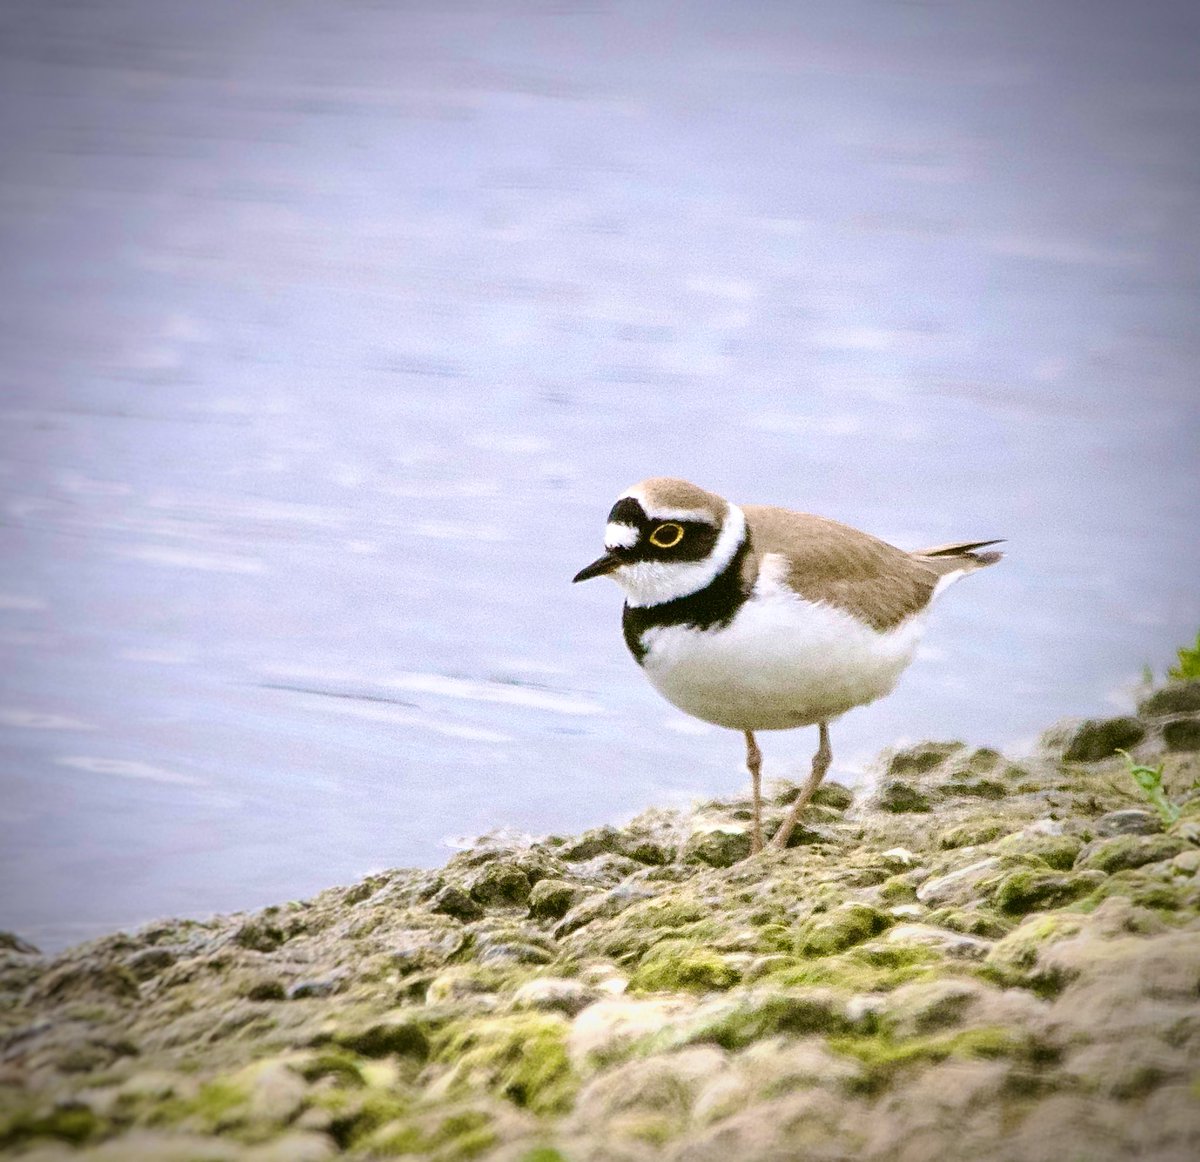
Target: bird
{"points": [[754, 617]]}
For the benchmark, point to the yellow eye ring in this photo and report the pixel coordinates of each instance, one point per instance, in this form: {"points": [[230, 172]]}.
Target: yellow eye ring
{"points": [[667, 536]]}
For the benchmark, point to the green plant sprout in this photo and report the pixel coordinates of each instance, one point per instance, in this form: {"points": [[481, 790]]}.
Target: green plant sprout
{"points": [[1150, 780], [1189, 661]]}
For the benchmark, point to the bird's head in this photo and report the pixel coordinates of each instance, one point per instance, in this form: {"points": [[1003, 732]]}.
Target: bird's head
{"points": [[666, 539]]}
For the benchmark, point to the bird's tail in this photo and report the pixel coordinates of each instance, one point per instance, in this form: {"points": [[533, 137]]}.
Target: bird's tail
{"points": [[961, 555]]}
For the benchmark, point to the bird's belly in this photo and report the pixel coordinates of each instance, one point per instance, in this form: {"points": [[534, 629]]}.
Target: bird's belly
{"points": [[782, 662]]}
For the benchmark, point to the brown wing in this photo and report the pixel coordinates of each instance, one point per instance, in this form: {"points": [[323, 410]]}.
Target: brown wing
{"points": [[831, 562]]}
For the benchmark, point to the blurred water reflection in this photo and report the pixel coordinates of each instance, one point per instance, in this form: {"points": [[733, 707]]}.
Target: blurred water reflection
{"points": [[331, 330]]}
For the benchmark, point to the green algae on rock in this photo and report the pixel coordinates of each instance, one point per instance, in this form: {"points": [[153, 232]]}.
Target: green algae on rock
{"points": [[973, 958]]}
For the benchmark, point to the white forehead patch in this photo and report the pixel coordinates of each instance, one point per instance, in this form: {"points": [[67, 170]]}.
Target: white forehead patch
{"points": [[619, 536]]}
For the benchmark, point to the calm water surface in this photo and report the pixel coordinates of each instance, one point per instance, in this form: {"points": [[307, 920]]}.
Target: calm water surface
{"points": [[331, 330]]}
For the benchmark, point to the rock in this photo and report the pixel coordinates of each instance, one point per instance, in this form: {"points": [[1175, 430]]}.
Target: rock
{"points": [[953, 944], [608, 1030], [961, 885], [1122, 852], [681, 965], [925, 1007], [304, 990], [555, 995], [884, 993], [970, 834], [1175, 698], [402, 1035], [553, 899], [265, 988], [87, 978], [501, 885], [922, 758], [1129, 821], [1027, 891], [1182, 735], [276, 1092], [632, 843], [900, 797], [259, 935], [1099, 738], [466, 983], [602, 906], [506, 948], [453, 901], [11, 942], [665, 1085], [150, 962], [833, 931], [746, 1017], [717, 843]]}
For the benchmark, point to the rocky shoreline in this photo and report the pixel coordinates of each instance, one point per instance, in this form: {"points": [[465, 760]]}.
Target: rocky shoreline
{"points": [[976, 958]]}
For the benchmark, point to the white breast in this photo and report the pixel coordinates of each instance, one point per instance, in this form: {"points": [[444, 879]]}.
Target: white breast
{"points": [[782, 662]]}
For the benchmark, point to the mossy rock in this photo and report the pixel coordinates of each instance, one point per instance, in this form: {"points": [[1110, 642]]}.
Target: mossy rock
{"points": [[971, 922], [453, 901], [73, 1123], [749, 1017], [1174, 698], [1183, 734], [259, 935], [1056, 851], [683, 966], [1017, 956], [501, 885], [971, 834], [1026, 890], [633, 843], [553, 899], [1129, 821], [522, 1058], [833, 931], [1096, 739], [83, 979], [1123, 852], [718, 844], [402, 1035], [922, 758], [900, 797], [885, 1060]]}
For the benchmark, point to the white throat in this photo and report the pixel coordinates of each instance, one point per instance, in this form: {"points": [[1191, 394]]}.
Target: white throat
{"points": [[655, 582]]}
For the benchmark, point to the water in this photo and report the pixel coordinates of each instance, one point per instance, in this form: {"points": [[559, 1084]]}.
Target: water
{"points": [[331, 331]]}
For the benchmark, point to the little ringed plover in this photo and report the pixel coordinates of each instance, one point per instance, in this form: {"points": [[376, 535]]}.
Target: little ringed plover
{"points": [[759, 618]]}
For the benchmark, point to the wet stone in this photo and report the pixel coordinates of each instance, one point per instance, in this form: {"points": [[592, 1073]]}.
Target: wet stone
{"points": [[1096, 739]]}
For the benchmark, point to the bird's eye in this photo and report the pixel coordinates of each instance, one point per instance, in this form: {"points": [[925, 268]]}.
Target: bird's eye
{"points": [[667, 536]]}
